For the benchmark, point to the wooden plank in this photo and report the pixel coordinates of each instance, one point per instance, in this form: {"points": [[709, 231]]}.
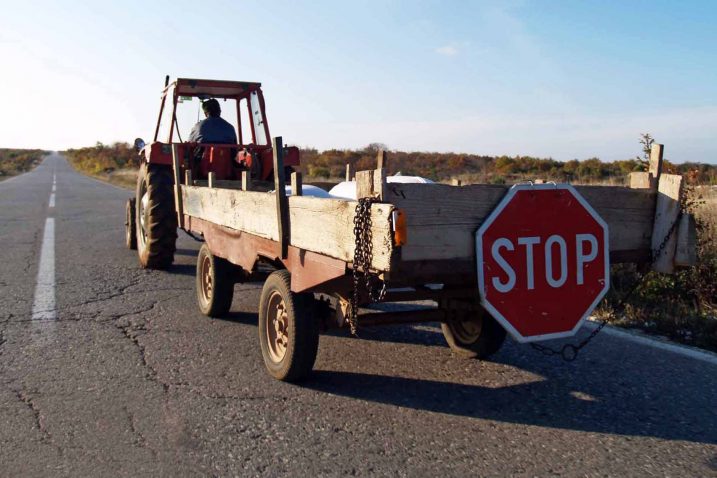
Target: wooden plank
{"points": [[381, 159], [380, 183], [177, 185], [642, 180], [350, 173], [212, 179], [282, 206], [371, 183], [667, 210], [297, 188], [364, 184], [686, 253], [442, 220], [655, 167], [245, 181], [319, 225]]}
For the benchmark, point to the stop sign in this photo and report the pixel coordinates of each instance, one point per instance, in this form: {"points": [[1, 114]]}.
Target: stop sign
{"points": [[543, 261]]}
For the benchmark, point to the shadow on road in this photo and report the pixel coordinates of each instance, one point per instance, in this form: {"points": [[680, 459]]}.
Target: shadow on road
{"points": [[246, 318], [183, 269], [186, 252], [594, 394], [622, 393]]}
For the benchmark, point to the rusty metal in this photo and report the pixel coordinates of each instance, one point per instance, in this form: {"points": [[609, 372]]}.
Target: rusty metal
{"points": [[371, 319], [309, 270], [429, 294]]}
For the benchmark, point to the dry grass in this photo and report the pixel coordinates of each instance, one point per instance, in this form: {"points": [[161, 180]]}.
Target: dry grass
{"points": [[682, 306], [124, 178]]}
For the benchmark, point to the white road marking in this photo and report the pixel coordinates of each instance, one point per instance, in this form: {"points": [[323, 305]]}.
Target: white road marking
{"points": [[683, 350], [43, 307], [52, 200]]}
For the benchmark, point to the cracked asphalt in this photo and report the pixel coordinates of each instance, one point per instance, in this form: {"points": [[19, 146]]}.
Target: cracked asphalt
{"points": [[131, 380]]}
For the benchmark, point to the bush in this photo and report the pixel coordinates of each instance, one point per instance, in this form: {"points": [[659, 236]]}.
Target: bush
{"points": [[16, 161], [682, 306], [103, 158]]}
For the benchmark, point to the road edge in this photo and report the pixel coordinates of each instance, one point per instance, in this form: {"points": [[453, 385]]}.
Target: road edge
{"points": [[655, 341]]}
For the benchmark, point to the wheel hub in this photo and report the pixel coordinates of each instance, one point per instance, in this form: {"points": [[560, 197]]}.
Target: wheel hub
{"points": [[467, 331], [206, 279], [143, 207], [277, 333]]}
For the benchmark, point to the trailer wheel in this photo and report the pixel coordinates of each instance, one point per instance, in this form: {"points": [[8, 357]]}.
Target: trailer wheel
{"points": [[288, 330], [130, 233], [473, 336], [215, 283], [156, 219]]}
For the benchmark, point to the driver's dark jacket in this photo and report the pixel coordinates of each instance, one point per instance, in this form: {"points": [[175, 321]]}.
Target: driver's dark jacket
{"points": [[213, 129]]}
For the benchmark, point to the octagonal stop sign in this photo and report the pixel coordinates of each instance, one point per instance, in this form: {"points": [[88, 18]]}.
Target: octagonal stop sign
{"points": [[543, 261]]}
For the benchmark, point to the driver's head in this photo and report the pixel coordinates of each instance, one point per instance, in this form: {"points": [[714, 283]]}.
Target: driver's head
{"points": [[211, 107]]}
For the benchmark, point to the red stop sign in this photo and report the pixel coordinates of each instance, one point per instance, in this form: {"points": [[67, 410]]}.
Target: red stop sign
{"points": [[543, 261]]}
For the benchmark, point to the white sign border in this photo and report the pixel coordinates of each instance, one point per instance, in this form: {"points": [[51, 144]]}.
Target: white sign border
{"points": [[479, 261]]}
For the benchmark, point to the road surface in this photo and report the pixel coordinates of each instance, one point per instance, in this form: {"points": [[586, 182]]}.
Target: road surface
{"points": [[110, 370]]}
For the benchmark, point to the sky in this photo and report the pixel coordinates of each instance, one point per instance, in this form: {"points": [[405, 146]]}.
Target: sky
{"points": [[558, 79]]}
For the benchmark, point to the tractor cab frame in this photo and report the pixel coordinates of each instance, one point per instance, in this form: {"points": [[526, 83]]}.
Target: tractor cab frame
{"points": [[226, 161]]}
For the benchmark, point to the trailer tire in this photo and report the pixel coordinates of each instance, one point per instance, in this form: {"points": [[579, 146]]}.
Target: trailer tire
{"points": [[288, 329], [156, 219], [478, 336], [214, 283], [130, 235]]}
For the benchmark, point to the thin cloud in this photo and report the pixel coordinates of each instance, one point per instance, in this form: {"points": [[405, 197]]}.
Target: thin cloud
{"points": [[447, 50]]}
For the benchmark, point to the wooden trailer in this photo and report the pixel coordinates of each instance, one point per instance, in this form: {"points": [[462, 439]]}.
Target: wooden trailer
{"points": [[422, 246]]}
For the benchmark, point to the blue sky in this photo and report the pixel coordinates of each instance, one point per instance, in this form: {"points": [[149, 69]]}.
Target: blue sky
{"points": [[559, 79]]}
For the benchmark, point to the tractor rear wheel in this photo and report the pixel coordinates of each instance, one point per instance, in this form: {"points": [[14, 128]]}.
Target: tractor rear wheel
{"points": [[130, 233], [473, 334], [288, 329], [156, 219]]}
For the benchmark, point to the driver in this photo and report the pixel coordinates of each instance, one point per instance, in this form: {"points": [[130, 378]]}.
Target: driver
{"points": [[213, 129]]}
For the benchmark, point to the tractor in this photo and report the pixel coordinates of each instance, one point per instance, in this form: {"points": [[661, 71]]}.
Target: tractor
{"points": [[151, 218]]}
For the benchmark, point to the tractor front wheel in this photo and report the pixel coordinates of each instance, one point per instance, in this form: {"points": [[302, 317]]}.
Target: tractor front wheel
{"points": [[156, 219]]}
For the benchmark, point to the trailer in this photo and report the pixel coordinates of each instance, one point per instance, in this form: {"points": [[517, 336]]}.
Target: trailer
{"points": [[325, 260]]}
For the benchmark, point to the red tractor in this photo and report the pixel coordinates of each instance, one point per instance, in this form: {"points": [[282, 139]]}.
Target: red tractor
{"points": [[151, 216]]}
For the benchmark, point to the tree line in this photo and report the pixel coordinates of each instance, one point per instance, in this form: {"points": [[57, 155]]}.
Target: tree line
{"points": [[331, 165]]}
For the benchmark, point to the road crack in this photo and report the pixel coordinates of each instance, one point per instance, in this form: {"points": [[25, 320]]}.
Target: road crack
{"points": [[37, 413], [130, 331], [141, 440]]}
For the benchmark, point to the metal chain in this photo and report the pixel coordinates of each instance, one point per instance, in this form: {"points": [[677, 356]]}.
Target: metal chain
{"points": [[363, 257], [569, 352]]}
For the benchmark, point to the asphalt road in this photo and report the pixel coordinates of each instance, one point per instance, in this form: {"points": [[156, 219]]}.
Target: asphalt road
{"points": [[127, 378]]}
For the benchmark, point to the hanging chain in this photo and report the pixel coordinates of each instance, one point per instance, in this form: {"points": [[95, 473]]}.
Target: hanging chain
{"points": [[363, 257], [569, 352]]}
